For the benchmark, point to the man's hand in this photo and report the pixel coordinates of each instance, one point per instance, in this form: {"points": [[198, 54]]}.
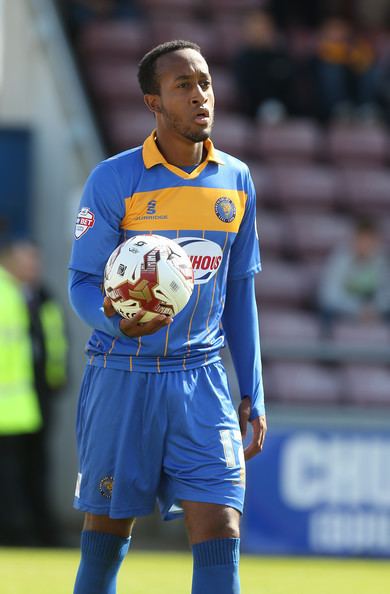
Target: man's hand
{"points": [[134, 328], [259, 426]]}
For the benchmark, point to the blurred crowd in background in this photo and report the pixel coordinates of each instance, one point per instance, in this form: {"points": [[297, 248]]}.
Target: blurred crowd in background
{"points": [[316, 59]]}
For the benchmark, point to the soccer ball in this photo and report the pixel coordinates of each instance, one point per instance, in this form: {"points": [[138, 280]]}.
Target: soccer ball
{"points": [[149, 272]]}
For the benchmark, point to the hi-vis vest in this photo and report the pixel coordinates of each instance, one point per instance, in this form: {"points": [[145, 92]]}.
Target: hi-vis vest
{"points": [[19, 406], [56, 345]]}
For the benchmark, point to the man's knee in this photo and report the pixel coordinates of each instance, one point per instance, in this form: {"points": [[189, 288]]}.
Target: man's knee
{"points": [[118, 527], [208, 521]]}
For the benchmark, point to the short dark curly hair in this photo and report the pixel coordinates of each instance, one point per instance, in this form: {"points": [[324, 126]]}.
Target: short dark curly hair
{"points": [[147, 67]]}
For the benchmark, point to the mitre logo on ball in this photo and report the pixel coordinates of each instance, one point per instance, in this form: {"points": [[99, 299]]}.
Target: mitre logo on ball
{"points": [[205, 257], [149, 272]]}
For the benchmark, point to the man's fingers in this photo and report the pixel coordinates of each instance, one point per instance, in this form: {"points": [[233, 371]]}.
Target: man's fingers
{"points": [[138, 316], [259, 431], [244, 411], [109, 310], [155, 324], [262, 437], [254, 447], [259, 426], [135, 327], [243, 425]]}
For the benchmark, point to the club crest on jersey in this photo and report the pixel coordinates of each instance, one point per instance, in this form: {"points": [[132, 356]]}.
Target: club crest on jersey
{"points": [[85, 221], [225, 209], [105, 486], [205, 256]]}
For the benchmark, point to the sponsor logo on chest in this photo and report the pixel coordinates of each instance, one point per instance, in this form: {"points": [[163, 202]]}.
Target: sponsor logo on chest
{"points": [[205, 255]]}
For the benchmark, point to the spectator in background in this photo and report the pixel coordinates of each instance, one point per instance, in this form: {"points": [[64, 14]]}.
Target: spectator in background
{"points": [[41, 335], [80, 13], [355, 283], [374, 14], [263, 70], [346, 72], [301, 13], [383, 95], [49, 341], [20, 415]]}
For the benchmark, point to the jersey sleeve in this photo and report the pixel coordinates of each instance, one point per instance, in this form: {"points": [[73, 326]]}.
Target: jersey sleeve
{"points": [[97, 230], [245, 254], [86, 298], [240, 324]]}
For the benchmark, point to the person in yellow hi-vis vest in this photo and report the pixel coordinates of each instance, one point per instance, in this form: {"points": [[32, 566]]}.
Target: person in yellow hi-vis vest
{"points": [[50, 345], [36, 322], [20, 414]]}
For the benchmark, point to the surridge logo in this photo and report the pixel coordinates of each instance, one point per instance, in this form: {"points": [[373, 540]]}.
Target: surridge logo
{"points": [[151, 213], [151, 207]]}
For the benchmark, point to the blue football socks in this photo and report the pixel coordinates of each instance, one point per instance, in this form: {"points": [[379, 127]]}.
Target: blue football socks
{"points": [[216, 567], [101, 558]]}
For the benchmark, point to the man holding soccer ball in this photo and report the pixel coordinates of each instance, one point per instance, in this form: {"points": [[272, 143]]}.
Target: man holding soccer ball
{"points": [[155, 418]]}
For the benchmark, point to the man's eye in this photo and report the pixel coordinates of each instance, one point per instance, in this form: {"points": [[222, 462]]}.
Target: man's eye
{"points": [[205, 84], [183, 85]]}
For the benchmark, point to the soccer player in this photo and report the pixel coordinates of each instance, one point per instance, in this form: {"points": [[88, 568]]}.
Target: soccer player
{"points": [[155, 417]]}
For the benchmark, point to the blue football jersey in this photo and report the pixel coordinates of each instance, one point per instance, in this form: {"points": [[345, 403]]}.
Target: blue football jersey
{"points": [[210, 212]]}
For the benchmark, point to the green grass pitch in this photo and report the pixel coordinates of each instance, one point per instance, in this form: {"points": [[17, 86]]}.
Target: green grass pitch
{"points": [[52, 572]]}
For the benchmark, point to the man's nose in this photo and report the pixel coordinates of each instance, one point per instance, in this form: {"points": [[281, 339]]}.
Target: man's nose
{"points": [[199, 96]]}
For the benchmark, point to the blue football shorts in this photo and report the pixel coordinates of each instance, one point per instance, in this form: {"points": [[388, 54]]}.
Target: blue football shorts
{"points": [[166, 437]]}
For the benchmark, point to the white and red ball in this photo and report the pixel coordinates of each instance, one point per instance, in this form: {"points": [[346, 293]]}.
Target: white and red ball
{"points": [[149, 272]]}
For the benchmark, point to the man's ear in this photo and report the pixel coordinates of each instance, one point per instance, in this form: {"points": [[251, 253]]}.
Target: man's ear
{"points": [[153, 103]]}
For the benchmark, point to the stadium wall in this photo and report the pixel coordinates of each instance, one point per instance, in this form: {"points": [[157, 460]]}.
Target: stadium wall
{"points": [[40, 91]]}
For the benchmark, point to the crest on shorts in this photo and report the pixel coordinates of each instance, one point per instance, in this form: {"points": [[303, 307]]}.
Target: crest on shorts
{"points": [[105, 486], [225, 209], [85, 221]]}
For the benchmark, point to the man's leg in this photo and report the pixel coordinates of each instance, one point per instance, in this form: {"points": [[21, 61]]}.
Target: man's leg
{"points": [[104, 544], [214, 533]]}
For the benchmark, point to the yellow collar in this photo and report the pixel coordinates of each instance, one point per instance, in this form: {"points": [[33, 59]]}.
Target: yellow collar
{"points": [[152, 156]]}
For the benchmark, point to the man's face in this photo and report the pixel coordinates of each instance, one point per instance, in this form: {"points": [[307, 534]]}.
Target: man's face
{"points": [[366, 244], [26, 263], [185, 104]]}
